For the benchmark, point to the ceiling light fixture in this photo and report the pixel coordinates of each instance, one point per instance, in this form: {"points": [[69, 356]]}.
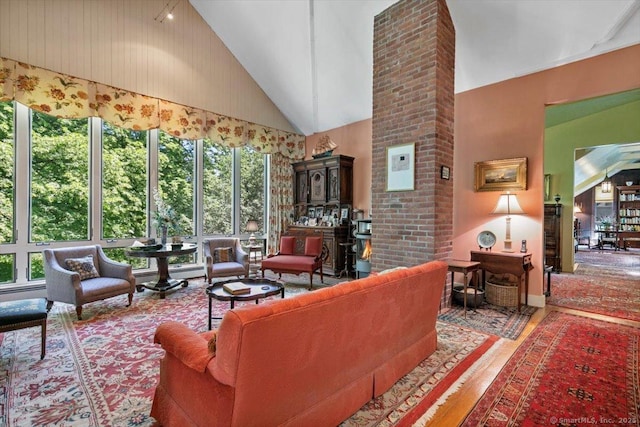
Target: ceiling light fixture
{"points": [[166, 12], [606, 185]]}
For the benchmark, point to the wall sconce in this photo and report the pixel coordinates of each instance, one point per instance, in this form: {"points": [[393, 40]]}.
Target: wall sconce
{"points": [[252, 227], [508, 204]]}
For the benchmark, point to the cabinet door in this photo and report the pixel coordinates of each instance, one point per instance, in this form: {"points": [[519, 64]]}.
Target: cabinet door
{"points": [[302, 187], [334, 185], [318, 184]]}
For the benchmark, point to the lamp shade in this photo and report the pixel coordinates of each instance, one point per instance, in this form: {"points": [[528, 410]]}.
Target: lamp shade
{"points": [[508, 204], [252, 225]]}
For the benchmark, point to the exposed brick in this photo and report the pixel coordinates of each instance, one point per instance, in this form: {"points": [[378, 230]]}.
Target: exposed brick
{"points": [[413, 93]]}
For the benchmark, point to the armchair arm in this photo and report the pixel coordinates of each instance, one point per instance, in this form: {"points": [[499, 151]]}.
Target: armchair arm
{"points": [[111, 268], [241, 256], [62, 284], [185, 344]]}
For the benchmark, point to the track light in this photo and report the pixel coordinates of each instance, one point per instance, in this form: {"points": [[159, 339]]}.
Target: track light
{"points": [[167, 11]]}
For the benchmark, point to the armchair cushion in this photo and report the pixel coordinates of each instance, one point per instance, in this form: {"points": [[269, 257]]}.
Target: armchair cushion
{"points": [[83, 266], [223, 255], [313, 246], [287, 245]]}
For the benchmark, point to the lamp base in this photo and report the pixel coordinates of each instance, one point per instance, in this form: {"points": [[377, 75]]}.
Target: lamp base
{"points": [[507, 246]]}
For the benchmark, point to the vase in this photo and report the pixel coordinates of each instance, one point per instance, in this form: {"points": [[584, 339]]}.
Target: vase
{"points": [[164, 235]]}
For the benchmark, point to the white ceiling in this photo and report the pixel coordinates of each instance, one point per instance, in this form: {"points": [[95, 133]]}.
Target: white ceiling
{"points": [[314, 58]]}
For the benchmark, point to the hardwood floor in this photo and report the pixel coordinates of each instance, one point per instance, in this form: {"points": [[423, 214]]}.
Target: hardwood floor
{"points": [[458, 405]]}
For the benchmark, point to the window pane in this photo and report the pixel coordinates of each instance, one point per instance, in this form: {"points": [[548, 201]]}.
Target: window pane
{"points": [[175, 177], [117, 254], [7, 158], [124, 182], [252, 188], [217, 190], [59, 178], [36, 266], [7, 268]]}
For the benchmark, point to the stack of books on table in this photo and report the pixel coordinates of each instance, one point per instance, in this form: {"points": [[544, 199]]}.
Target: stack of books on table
{"points": [[236, 288]]}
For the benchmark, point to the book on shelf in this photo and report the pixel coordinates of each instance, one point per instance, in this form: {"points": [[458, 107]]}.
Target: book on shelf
{"points": [[236, 288]]}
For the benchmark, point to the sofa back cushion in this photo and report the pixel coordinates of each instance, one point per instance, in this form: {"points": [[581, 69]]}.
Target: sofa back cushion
{"points": [[287, 245], [313, 246], [287, 353]]}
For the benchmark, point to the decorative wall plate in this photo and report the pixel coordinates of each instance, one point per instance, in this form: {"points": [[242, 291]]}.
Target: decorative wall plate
{"points": [[486, 239]]}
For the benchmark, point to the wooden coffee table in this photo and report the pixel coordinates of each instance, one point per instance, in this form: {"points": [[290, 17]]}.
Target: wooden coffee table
{"points": [[260, 288]]}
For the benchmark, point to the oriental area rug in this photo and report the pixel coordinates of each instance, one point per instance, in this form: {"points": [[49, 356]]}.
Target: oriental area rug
{"points": [[570, 371], [491, 319], [103, 370], [605, 283]]}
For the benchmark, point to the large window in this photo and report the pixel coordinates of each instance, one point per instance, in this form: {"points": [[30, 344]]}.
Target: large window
{"points": [[7, 156], [124, 183], [252, 188], [217, 189], [59, 179], [176, 180], [70, 182]]}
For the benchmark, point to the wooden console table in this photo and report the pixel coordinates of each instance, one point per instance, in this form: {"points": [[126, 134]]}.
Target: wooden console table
{"points": [[515, 263]]}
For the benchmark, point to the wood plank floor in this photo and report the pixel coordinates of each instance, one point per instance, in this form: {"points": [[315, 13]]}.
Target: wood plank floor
{"points": [[459, 404]]}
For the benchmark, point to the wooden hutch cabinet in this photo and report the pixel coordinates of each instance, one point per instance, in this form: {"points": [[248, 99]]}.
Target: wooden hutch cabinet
{"points": [[324, 187], [552, 235]]}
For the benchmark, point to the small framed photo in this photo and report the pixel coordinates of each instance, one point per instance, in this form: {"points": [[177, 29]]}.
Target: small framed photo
{"points": [[334, 213], [319, 212], [445, 172], [313, 221], [311, 212], [344, 213]]}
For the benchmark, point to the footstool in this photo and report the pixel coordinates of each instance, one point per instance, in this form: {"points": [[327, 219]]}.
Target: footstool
{"points": [[25, 313]]}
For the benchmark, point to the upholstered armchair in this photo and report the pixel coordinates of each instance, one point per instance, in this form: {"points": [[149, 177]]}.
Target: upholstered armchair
{"points": [[84, 274], [225, 257]]}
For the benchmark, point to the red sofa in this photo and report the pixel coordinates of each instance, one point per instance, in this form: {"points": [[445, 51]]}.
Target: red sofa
{"points": [[310, 360], [288, 260]]}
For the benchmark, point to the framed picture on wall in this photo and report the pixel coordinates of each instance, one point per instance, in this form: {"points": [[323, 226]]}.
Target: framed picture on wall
{"points": [[501, 175], [401, 167]]}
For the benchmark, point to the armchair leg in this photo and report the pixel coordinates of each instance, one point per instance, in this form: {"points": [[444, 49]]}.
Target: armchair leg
{"points": [[79, 311], [130, 299], [43, 343]]}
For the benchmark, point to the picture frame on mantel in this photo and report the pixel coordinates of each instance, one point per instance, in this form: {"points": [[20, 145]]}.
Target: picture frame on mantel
{"points": [[401, 167], [501, 175]]}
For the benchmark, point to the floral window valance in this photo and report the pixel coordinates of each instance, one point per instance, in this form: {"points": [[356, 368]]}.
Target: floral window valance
{"points": [[65, 96]]}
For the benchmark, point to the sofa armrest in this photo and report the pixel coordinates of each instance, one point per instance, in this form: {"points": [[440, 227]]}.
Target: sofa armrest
{"points": [[185, 344]]}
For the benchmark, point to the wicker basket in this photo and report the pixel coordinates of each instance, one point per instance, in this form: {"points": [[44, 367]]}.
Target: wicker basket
{"points": [[501, 295]]}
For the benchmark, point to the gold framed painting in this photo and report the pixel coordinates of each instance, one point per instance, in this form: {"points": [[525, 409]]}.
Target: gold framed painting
{"points": [[501, 175]]}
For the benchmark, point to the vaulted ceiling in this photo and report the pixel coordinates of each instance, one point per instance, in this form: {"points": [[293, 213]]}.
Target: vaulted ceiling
{"points": [[313, 58]]}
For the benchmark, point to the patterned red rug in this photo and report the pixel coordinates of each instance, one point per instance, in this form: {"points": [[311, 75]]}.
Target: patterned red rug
{"points": [[615, 296], [102, 371], [570, 371]]}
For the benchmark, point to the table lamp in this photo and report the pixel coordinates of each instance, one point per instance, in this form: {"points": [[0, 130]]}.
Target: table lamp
{"points": [[252, 227], [508, 204]]}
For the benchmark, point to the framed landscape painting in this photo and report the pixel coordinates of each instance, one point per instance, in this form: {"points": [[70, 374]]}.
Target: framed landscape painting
{"points": [[501, 175]]}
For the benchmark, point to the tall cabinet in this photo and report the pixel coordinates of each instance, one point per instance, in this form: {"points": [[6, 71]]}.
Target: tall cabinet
{"points": [[323, 188], [552, 236]]}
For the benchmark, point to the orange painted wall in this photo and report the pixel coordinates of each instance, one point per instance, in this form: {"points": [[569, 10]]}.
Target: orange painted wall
{"points": [[501, 121], [506, 120]]}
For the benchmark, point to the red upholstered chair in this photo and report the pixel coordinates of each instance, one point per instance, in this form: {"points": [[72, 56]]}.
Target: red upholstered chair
{"points": [[288, 261]]}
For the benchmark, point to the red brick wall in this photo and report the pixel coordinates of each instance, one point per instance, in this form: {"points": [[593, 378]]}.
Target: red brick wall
{"points": [[413, 102]]}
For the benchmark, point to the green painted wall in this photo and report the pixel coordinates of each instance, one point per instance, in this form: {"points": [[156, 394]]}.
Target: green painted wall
{"points": [[619, 125]]}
